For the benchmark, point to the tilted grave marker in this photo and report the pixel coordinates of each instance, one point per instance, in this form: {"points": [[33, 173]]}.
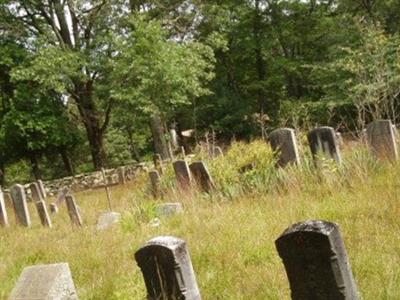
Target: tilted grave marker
{"points": [[42, 189], [155, 181], [121, 175], [323, 141], [45, 282], [182, 173], [40, 204], [316, 262], [284, 141], [381, 138], [20, 205], [202, 176], [167, 269], [3, 212], [73, 211], [62, 193]]}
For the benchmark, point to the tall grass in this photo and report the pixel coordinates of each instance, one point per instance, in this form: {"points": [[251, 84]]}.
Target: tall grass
{"points": [[231, 232]]}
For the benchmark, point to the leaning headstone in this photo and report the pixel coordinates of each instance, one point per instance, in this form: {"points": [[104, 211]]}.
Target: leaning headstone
{"points": [[121, 175], [182, 173], [107, 220], [323, 141], [20, 206], [62, 193], [202, 176], [381, 138], [284, 141], [45, 282], [43, 214], [53, 208], [36, 194], [3, 212], [42, 189], [167, 269], [316, 262], [155, 181], [73, 211], [169, 209]]}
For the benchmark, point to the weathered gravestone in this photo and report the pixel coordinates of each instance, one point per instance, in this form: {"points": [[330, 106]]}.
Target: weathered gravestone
{"points": [[42, 189], [316, 262], [202, 176], [323, 141], [284, 141], [155, 181], [182, 173], [107, 220], [45, 282], [20, 205], [62, 193], [121, 175], [3, 211], [40, 204], [169, 209], [73, 211], [382, 139], [167, 269]]}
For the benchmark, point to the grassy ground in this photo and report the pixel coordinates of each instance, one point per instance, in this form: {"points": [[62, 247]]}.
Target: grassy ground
{"points": [[231, 233]]}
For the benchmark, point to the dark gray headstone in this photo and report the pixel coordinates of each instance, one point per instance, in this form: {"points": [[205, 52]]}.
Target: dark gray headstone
{"points": [[323, 141], [202, 176], [43, 214], [316, 262], [121, 175], [42, 189], [155, 181], [167, 269], [73, 211], [3, 212], [20, 205], [107, 220], [36, 194], [284, 141], [182, 173], [45, 282], [381, 138]]}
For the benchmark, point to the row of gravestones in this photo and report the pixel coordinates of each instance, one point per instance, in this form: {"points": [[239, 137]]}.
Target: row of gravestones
{"points": [[380, 135], [38, 195], [313, 254]]}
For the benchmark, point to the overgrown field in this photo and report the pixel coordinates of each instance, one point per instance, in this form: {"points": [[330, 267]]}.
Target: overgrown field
{"points": [[231, 233]]}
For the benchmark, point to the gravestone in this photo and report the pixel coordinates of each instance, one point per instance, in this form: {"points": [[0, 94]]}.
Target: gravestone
{"points": [[202, 176], [42, 189], [3, 212], [107, 220], [20, 205], [73, 211], [284, 141], [155, 180], [121, 175], [169, 209], [323, 141], [36, 194], [45, 282], [381, 138], [62, 193], [316, 262], [43, 214], [167, 269], [182, 173], [53, 208]]}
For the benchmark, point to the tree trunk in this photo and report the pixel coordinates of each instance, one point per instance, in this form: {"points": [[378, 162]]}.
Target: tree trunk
{"points": [[2, 174], [159, 140], [35, 165], [91, 119], [67, 161], [134, 151]]}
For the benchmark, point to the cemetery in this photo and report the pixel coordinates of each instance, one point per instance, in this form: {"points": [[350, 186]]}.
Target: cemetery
{"points": [[308, 218], [188, 150]]}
